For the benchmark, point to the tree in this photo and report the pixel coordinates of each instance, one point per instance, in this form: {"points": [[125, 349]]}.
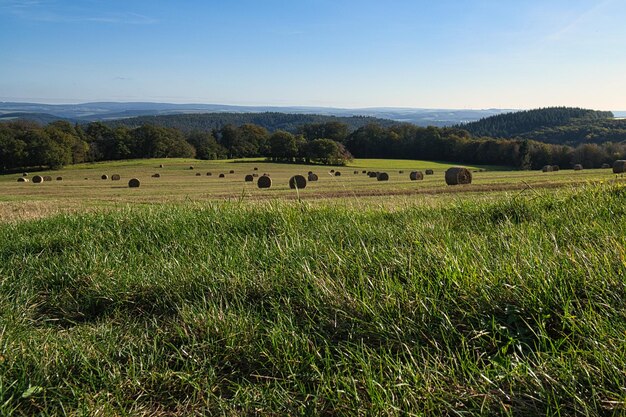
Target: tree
{"points": [[283, 146]]}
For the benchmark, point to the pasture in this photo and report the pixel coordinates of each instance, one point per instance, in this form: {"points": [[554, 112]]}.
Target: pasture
{"points": [[196, 295]]}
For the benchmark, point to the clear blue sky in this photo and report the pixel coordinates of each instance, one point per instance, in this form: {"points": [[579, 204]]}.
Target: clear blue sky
{"points": [[344, 53]]}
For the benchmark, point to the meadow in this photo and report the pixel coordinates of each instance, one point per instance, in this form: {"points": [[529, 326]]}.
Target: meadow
{"points": [[206, 296]]}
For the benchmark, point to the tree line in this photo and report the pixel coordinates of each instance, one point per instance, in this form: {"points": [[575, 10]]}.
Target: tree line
{"points": [[27, 144]]}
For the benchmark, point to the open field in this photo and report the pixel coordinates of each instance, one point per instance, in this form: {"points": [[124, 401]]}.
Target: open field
{"points": [[207, 296], [82, 189]]}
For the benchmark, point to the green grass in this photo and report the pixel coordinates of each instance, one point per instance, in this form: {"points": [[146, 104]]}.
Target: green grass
{"points": [[512, 306]]}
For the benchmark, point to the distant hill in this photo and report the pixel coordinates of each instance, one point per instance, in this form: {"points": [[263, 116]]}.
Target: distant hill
{"points": [[87, 112], [271, 121], [41, 118], [557, 125], [518, 123]]}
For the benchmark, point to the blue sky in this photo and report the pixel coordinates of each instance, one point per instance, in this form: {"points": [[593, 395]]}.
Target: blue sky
{"points": [[342, 53]]}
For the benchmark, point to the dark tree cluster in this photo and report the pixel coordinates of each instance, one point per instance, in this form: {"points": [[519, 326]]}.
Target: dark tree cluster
{"points": [[519, 123]]}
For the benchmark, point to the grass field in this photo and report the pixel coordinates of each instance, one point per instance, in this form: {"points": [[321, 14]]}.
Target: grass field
{"points": [[189, 296], [82, 189]]}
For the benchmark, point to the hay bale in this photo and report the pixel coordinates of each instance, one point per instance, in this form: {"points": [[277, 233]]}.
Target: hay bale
{"points": [[256, 168], [313, 177], [59, 178], [222, 176], [364, 172], [578, 167], [255, 175], [356, 172], [161, 166], [429, 172], [198, 174], [416, 175], [157, 175], [372, 174], [22, 179], [264, 182], [232, 171], [47, 178], [619, 167], [104, 177], [547, 168], [400, 172], [332, 171], [25, 174], [458, 175], [606, 166], [133, 183], [555, 168], [337, 174], [191, 167], [116, 177], [297, 181], [208, 174], [249, 178], [382, 176]]}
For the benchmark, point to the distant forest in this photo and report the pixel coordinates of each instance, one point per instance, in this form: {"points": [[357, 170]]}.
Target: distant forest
{"points": [[272, 121], [27, 144], [557, 125]]}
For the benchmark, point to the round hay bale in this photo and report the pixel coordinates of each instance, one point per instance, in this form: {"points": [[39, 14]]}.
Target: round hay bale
{"points": [[555, 168], [59, 178], [208, 174], [458, 175], [255, 175], [606, 166], [619, 167], [133, 183], [116, 177], [264, 182], [47, 178], [222, 176], [337, 174], [429, 172], [232, 171], [198, 174], [578, 167], [191, 167], [313, 177], [416, 175], [22, 179], [400, 172], [372, 174], [297, 181], [309, 173], [547, 168], [364, 172], [161, 166], [249, 178], [382, 176], [332, 171], [25, 174], [256, 168], [104, 177], [356, 172], [157, 175]]}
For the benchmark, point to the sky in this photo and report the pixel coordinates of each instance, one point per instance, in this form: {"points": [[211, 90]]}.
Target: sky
{"points": [[464, 54]]}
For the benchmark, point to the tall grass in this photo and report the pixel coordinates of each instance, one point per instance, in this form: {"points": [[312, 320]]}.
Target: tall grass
{"points": [[514, 307]]}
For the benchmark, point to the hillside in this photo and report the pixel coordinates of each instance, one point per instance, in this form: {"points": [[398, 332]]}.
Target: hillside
{"points": [[271, 121], [549, 121]]}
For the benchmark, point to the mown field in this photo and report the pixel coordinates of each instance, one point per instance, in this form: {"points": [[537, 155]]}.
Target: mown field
{"points": [[192, 297], [83, 189]]}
